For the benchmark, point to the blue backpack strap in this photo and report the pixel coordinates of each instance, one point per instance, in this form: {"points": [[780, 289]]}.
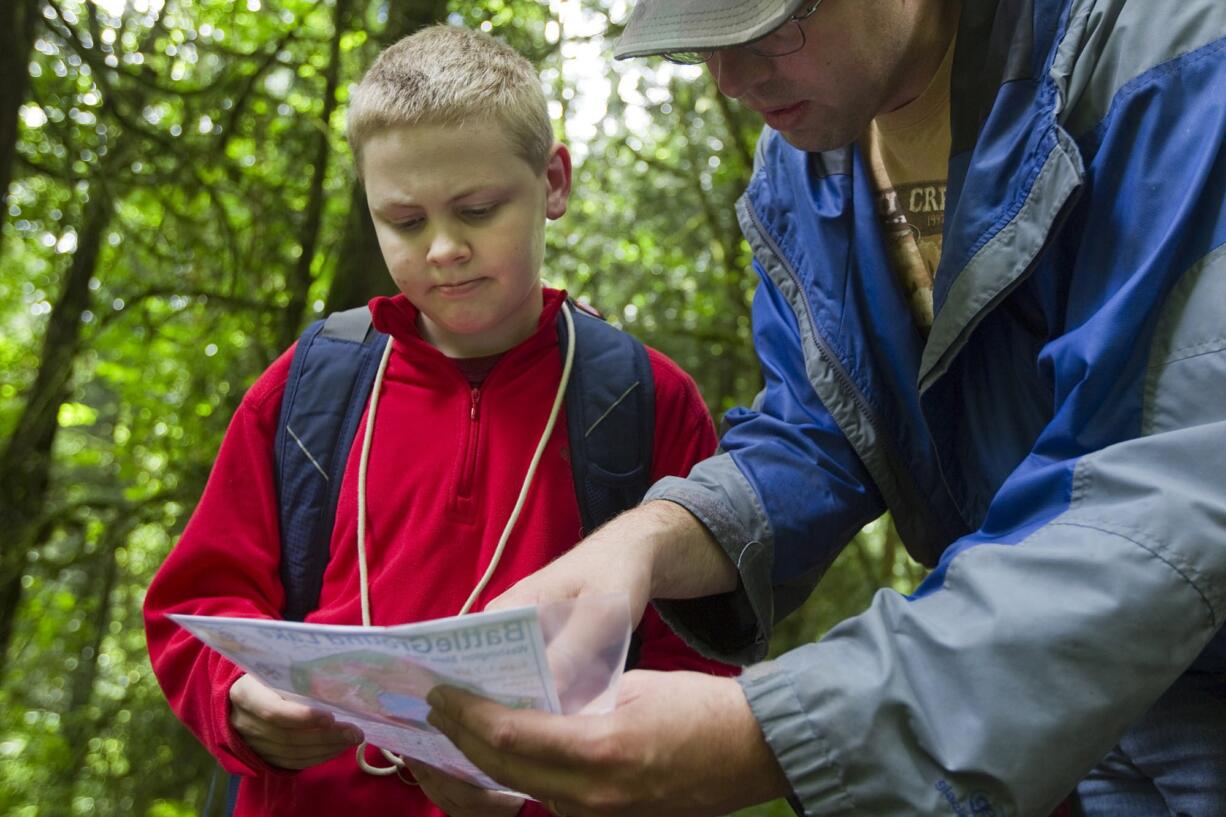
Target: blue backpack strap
{"points": [[610, 414], [610, 418], [329, 383]]}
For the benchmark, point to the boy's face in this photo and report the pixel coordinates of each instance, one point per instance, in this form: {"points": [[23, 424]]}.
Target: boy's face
{"points": [[461, 222]]}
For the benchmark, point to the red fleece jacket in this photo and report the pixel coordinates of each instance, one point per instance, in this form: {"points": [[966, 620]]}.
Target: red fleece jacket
{"points": [[446, 465]]}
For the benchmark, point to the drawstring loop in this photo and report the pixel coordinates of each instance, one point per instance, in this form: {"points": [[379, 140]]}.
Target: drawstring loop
{"points": [[397, 762]]}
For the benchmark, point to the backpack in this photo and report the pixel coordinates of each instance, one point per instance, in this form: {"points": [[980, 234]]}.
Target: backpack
{"points": [[610, 415]]}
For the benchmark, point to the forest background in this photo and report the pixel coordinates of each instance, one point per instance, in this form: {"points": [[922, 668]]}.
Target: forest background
{"points": [[179, 204]]}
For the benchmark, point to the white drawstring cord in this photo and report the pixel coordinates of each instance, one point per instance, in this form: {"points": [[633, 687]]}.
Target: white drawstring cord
{"points": [[366, 438], [363, 585], [397, 761], [536, 458]]}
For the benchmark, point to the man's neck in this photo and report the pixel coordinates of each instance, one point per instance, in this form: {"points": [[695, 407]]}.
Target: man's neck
{"points": [[933, 27]]}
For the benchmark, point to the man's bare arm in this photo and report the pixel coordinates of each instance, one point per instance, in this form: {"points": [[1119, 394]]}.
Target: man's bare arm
{"points": [[658, 550]]}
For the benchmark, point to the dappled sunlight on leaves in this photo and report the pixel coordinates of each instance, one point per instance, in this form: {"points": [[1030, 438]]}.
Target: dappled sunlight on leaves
{"points": [[187, 132]]}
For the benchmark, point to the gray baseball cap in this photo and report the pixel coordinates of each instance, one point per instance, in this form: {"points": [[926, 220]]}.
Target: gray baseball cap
{"points": [[659, 26]]}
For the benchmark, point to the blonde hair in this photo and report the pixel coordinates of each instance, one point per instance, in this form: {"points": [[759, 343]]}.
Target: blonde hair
{"points": [[444, 75]]}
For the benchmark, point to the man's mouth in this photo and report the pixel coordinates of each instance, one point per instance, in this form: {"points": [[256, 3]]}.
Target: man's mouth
{"points": [[783, 117]]}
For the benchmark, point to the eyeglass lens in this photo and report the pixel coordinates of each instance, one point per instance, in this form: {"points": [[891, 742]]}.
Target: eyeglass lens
{"points": [[786, 39]]}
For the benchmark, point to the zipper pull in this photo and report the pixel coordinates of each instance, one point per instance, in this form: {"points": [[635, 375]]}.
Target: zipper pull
{"points": [[472, 411]]}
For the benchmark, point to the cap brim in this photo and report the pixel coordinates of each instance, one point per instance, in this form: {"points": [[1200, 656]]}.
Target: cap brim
{"points": [[691, 25]]}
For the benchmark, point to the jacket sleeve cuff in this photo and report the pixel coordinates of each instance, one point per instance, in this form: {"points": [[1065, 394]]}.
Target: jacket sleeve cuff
{"points": [[731, 627], [803, 752]]}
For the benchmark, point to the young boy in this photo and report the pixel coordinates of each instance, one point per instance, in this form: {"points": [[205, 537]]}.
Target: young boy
{"points": [[452, 139]]}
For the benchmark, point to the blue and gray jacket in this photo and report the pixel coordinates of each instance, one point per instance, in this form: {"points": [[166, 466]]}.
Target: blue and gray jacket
{"points": [[1056, 447]]}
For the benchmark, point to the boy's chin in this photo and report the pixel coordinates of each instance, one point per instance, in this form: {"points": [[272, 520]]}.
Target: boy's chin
{"points": [[468, 339]]}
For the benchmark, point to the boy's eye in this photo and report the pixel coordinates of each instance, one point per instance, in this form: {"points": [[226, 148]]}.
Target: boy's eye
{"points": [[479, 212], [409, 225]]}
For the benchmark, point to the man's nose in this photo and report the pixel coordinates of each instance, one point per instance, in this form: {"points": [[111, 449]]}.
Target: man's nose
{"points": [[737, 70]]}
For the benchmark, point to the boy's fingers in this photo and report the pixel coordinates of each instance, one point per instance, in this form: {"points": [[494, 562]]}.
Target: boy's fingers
{"points": [[290, 715], [264, 703], [297, 757], [286, 733], [459, 798], [339, 735], [297, 716], [300, 748]]}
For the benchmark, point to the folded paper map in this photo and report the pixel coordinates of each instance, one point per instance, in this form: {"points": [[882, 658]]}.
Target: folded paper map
{"points": [[377, 678]]}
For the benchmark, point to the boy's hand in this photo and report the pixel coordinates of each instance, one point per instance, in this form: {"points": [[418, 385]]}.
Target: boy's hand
{"points": [[460, 799], [283, 733]]}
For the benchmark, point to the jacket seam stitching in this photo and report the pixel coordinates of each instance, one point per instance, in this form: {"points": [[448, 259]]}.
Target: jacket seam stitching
{"points": [[1162, 554], [1200, 349], [881, 458], [1093, 135], [1133, 86]]}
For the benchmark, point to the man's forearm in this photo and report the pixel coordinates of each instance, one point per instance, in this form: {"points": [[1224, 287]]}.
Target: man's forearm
{"points": [[686, 562]]}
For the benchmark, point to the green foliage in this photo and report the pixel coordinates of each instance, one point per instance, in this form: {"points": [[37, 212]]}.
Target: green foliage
{"points": [[196, 124]]}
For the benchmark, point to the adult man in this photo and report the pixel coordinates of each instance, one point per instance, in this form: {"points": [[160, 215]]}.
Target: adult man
{"points": [[1052, 441]]}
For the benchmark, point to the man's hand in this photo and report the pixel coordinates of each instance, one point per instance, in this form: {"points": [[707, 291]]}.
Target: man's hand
{"points": [[283, 733], [460, 799], [615, 558], [657, 550], [679, 743]]}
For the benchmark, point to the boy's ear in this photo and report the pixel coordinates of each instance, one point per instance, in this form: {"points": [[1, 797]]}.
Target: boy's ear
{"points": [[557, 180]]}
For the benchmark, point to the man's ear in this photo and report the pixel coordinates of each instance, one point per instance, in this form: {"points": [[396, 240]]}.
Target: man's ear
{"points": [[557, 180]]}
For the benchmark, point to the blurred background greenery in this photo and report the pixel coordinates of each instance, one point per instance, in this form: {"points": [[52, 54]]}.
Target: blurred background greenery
{"points": [[180, 203]]}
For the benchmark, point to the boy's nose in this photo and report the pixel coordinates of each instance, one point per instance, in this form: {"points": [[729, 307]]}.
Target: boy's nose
{"points": [[448, 248]]}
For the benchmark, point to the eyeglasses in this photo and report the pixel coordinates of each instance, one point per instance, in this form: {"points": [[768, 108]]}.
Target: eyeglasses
{"points": [[786, 39]]}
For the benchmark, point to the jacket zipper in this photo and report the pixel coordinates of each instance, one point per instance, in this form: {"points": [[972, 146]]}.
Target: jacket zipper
{"points": [[468, 462], [894, 464], [1053, 229], [841, 375]]}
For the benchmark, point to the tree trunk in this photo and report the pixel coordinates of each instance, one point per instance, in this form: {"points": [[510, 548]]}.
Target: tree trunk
{"points": [[300, 283], [79, 722], [360, 272], [25, 462], [17, 20]]}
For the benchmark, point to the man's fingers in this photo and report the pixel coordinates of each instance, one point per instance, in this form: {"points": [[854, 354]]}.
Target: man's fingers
{"points": [[524, 749], [676, 738], [502, 729], [585, 644]]}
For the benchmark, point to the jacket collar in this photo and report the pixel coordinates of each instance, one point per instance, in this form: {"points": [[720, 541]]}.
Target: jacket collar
{"points": [[996, 44]]}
